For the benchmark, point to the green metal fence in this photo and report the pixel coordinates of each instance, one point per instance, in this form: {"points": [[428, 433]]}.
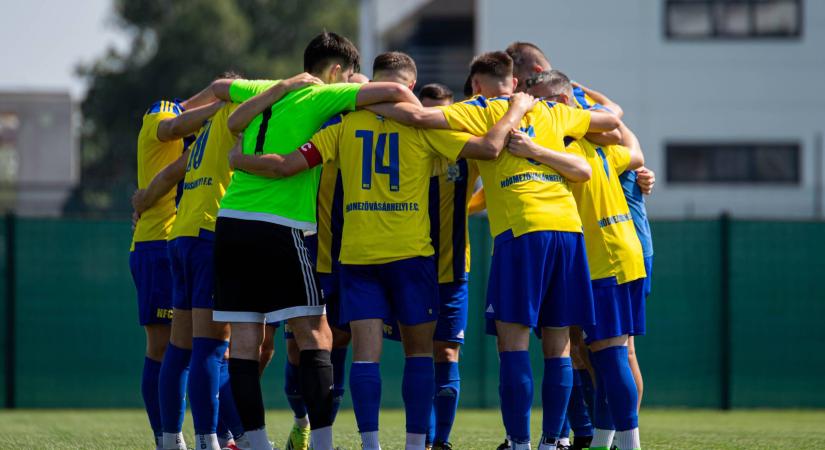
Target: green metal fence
{"points": [[734, 318]]}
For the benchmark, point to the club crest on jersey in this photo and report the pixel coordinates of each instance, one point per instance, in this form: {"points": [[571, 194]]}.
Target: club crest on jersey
{"points": [[453, 173]]}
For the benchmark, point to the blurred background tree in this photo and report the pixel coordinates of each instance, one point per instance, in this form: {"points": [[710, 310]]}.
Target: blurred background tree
{"points": [[176, 49]]}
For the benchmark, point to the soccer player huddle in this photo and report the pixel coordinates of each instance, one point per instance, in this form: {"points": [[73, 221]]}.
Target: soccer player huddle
{"points": [[338, 205]]}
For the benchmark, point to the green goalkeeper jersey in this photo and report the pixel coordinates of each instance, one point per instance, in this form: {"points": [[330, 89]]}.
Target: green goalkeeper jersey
{"points": [[281, 129]]}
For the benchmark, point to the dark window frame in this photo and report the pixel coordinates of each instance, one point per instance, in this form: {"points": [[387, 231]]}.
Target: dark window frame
{"points": [[715, 35], [709, 146]]}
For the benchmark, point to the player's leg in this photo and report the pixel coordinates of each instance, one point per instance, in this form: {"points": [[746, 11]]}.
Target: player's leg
{"points": [[608, 347], [244, 351], [556, 383], [157, 339], [314, 339], [568, 302], [229, 421], [299, 435], [174, 372], [364, 306], [637, 371], [449, 336], [149, 264], [578, 415], [340, 342], [268, 347], [519, 276]]}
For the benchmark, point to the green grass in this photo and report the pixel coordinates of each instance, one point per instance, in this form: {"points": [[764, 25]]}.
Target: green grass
{"points": [[474, 429]]}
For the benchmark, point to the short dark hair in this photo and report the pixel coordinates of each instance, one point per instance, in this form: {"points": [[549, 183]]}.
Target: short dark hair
{"points": [[435, 91], [519, 49], [394, 62], [329, 47], [557, 82], [495, 64], [231, 75]]}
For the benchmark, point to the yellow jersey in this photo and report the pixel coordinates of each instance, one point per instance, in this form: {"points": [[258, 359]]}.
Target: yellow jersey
{"points": [[451, 189], [523, 195], [153, 156], [330, 218], [385, 168], [207, 175], [613, 249]]}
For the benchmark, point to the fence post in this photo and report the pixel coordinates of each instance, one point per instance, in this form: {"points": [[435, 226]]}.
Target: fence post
{"points": [[725, 344], [11, 307]]}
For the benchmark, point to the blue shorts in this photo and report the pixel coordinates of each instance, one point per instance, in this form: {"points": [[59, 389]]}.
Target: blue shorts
{"points": [[614, 311], [649, 271], [406, 290], [149, 263], [193, 271], [540, 279], [452, 314]]}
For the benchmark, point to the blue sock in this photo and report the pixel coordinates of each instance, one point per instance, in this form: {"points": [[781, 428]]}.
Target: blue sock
{"points": [[613, 368], [430, 438], [577, 414], [555, 393], [339, 372], [565, 429], [417, 388], [447, 388], [174, 373], [227, 410], [149, 389], [588, 390], [602, 419], [365, 385], [292, 386], [516, 390], [204, 382]]}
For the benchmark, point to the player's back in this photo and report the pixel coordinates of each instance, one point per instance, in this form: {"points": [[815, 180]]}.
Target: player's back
{"points": [[152, 156], [613, 251], [385, 168], [207, 176], [523, 195]]}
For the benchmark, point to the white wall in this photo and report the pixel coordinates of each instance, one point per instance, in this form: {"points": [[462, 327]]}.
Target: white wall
{"points": [[678, 90]]}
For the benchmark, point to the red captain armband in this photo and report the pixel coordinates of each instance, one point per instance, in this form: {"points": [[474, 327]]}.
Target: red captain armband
{"points": [[310, 153]]}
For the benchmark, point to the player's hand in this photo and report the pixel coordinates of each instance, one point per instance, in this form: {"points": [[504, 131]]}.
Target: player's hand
{"points": [[645, 178], [139, 201], [520, 144], [522, 101], [235, 154], [299, 81]]}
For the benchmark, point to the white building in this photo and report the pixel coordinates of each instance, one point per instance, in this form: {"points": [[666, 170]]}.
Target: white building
{"points": [[39, 158], [726, 97]]}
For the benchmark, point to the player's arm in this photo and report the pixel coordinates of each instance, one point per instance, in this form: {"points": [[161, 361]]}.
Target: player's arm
{"points": [[220, 88], [187, 123], [568, 165], [243, 114], [629, 140], [645, 178], [202, 98], [274, 165], [384, 92], [601, 121], [607, 138], [412, 115], [163, 182], [493, 142], [601, 99], [478, 202]]}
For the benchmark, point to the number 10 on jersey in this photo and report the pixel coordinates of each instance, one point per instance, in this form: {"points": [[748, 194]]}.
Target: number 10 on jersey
{"points": [[376, 152]]}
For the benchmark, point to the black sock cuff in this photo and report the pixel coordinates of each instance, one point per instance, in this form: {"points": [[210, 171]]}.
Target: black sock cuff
{"points": [[238, 365], [316, 358]]}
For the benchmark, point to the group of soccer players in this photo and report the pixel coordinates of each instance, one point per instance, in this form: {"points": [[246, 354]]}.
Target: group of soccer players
{"points": [[345, 218]]}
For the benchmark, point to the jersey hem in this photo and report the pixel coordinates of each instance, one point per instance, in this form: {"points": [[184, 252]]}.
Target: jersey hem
{"points": [[267, 217]]}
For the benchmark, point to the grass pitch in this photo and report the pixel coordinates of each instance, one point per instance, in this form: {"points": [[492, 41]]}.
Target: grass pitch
{"points": [[474, 429]]}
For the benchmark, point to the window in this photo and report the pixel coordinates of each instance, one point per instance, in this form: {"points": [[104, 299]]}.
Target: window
{"points": [[746, 163], [733, 19], [9, 128]]}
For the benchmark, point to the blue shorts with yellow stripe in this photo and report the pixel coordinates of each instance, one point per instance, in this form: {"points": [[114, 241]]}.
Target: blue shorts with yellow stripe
{"points": [[539, 279], [193, 271], [149, 264]]}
